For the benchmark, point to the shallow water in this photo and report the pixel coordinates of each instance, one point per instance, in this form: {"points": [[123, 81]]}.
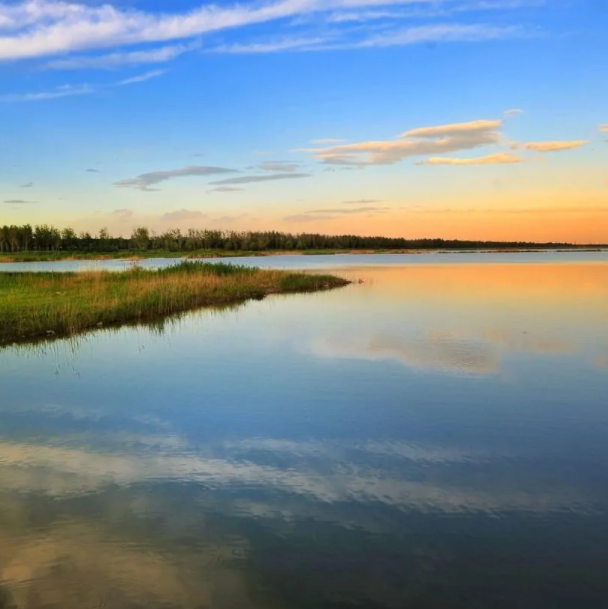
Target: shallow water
{"points": [[432, 437]]}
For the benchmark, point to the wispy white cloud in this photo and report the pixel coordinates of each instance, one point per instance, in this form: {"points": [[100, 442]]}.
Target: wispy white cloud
{"points": [[490, 159], [326, 140], [555, 146], [140, 78], [43, 28], [452, 32], [64, 91], [116, 60], [84, 89], [364, 16], [338, 40], [432, 10], [604, 127], [272, 46]]}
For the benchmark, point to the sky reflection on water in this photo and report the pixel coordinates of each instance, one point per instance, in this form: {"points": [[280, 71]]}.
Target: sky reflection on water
{"points": [[432, 437]]}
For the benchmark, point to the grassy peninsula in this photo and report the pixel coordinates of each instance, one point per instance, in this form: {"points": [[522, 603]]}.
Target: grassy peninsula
{"points": [[41, 304]]}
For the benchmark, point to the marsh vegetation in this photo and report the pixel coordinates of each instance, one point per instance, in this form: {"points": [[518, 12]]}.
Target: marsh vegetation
{"points": [[39, 304]]}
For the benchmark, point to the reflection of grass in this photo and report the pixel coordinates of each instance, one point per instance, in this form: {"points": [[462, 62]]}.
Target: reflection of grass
{"points": [[36, 304]]}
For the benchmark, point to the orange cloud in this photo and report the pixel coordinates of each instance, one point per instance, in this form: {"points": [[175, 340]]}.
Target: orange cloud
{"points": [[555, 146], [454, 129], [416, 142], [490, 159]]}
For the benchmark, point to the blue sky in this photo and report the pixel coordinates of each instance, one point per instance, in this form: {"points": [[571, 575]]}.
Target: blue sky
{"points": [[459, 118]]}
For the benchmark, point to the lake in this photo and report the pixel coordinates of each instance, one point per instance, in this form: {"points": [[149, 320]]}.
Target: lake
{"points": [[432, 437]]}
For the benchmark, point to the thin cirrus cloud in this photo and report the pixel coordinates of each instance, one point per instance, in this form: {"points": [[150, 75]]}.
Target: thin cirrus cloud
{"points": [[27, 185], [436, 33], [362, 201], [120, 59], [278, 166], [140, 78], [545, 147], [64, 91], [490, 159], [364, 16], [43, 28], [226, 189], [433, 10], [71, 90], [20, 202], [604, 128], [272, 46], [415, 142], [145, 181], [253, 179], [340, 41]]}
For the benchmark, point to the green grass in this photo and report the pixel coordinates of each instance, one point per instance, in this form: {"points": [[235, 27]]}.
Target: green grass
{"points": [[122, 255], [40, 304]]}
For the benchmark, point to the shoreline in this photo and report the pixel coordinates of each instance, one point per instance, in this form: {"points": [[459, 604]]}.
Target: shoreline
{"points": [[23, 258], [39, 305]]}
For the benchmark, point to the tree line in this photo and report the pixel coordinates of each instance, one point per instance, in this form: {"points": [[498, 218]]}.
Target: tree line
{"points": [[43, 237]]}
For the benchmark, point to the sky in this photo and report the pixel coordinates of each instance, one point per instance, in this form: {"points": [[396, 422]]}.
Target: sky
{"points": [[469, 119]]}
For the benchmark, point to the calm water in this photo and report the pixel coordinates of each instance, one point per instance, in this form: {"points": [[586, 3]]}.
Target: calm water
{"points": [[435, 437], [336, 261]]}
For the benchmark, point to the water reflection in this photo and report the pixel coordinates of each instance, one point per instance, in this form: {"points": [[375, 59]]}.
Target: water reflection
{"points": [[474, 319], [432, 437]]}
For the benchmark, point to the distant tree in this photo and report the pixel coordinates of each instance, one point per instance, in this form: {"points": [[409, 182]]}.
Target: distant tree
{"points": [[141, 238], [69, 239]]}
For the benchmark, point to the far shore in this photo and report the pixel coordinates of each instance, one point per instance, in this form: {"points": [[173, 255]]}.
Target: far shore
{"points": [[130, 256]]}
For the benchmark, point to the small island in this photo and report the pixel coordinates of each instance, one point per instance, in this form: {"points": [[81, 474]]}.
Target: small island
{"points": [[40, 304]]}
